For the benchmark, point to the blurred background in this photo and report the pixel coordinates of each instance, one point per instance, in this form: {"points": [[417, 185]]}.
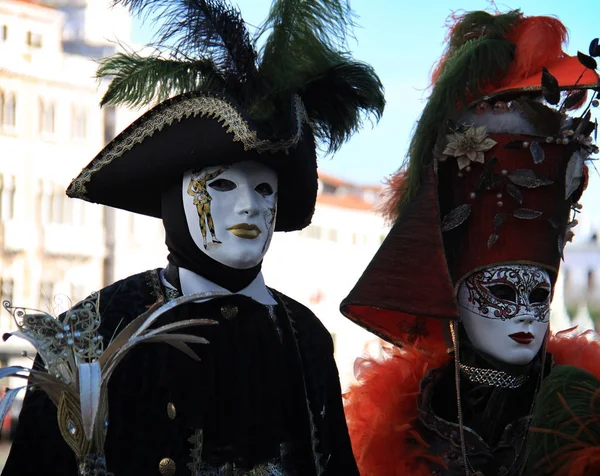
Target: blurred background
{"points": [[54, 251]]}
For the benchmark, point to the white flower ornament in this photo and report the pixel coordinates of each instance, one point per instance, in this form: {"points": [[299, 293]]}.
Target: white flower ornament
{"points": [[468, 147]]}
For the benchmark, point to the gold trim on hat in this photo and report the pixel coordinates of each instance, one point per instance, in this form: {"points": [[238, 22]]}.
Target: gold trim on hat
{"points": [[530, 89], [210, 107]]}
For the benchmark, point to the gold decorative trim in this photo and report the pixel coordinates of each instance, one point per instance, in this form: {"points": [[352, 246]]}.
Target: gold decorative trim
{"points": [[204, 106], [198, 468], [197, 442], [171, 294], [156, 288], [71, 426]]}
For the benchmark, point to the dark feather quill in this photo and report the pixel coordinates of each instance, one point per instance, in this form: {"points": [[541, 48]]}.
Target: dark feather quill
{"points": [[209, 28], [337, 98]]}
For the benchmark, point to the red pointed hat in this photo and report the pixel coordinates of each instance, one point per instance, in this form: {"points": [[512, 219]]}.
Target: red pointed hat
{"points": [[496, 182]]}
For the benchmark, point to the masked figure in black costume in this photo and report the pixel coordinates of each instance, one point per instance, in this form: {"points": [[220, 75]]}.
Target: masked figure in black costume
{"points": [[240, 133]]}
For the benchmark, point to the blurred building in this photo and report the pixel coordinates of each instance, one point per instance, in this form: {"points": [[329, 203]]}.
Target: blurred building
{"points": [[577, 290], [52, 249], [581, 275], [319, 265]]}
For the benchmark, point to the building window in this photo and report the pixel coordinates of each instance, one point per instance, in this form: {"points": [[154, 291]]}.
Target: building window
{"points": [[7, 197], [46, 116], [78, 122], [360, 239], [84, 215], [6, 294], [8, 109], [67, 209], [57, 206], [4, 33], [46, 201], [110, 120], [313, 231], [39, 197], [34, 39], [6, 289], [332, 234], [328, 189]]}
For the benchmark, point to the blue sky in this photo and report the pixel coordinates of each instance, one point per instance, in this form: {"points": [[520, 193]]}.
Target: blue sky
{"points": [[402, 41]]}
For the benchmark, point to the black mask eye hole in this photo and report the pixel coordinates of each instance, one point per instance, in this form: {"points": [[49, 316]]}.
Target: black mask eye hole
{"points": [[222, 185], [503, 291], [539, 295], [264, 189]]}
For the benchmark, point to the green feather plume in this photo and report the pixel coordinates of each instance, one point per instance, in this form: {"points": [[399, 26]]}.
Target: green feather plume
{"points": [[566, 421], [138, 80], [210, 50], [478, 52], [304, 53], [301, 35]]}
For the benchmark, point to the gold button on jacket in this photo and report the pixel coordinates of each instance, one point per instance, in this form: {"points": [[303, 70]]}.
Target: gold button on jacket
{"points": [[171, 410], [167, 467]]}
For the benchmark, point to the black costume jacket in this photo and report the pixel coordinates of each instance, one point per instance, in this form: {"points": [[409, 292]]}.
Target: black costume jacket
{"points": [[264, 399]]}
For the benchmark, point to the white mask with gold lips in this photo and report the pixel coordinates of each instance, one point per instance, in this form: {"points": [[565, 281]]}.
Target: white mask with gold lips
{"points": [[230, 211], [505, 311]]}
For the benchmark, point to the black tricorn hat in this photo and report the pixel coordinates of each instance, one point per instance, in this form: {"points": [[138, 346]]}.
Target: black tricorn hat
{"points": [[221, 102], [196, 130]]}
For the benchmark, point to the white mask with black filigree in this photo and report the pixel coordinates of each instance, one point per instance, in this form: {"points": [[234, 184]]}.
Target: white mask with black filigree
{"points": [[506, 311]]}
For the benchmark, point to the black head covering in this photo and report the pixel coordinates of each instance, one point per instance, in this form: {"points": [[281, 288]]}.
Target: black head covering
{"points": [[184, 253]]}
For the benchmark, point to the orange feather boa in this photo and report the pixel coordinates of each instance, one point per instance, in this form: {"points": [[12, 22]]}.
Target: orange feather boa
{"points": [[382, 408]]}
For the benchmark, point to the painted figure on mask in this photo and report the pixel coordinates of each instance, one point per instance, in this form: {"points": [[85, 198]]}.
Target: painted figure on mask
{"points": [[197, 189], [462, 284], [226, 158]]}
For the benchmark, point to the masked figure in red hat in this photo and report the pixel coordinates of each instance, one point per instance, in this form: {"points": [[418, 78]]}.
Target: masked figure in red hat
{"points": [[462, 284], [238, 129]]}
